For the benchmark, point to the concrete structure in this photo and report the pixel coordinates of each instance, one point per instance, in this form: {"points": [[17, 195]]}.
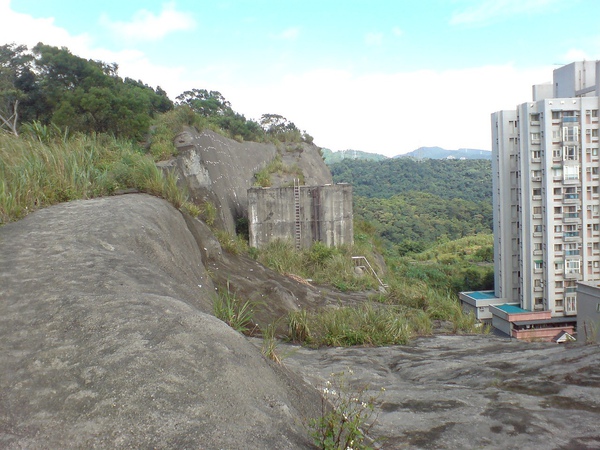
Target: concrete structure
{"points": [[588, 311], [546, 191], [301, 214], [478, 303]]}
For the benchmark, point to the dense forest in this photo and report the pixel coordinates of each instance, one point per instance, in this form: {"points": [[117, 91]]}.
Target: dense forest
{"points": [[414, 204]]}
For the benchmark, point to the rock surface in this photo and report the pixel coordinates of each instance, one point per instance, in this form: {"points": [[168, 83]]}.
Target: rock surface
{"points": [[471, 392], [106, 340], [220, 170]]}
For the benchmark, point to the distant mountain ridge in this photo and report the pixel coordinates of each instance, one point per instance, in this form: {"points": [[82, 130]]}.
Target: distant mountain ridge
{"points": [[441, 153], [332, 157]]}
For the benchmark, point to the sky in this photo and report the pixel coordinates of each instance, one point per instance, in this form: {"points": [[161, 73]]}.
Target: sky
{"points": [[382, 76]]}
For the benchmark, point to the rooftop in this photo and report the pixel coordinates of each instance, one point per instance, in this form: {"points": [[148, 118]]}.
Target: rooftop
{"points": [[481, 295], [512, 309]]}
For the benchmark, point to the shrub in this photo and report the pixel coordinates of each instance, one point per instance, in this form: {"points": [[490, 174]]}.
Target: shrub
{"points": [[347, 415]]}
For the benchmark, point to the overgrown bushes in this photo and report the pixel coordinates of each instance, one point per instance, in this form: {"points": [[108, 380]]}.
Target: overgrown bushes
{"points": [[35, 173]]}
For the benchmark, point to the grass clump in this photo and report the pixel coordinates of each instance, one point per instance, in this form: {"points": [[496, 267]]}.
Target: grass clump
{"points": [[234, 312], [367, 324]]}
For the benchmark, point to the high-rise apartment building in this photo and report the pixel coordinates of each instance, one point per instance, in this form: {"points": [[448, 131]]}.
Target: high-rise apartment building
{"points": [[546, 204]]}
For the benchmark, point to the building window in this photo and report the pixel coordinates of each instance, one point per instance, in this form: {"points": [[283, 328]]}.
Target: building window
{"points": [[537, 228], [570, 153], [556, 115], [535, 137], [557, 172], [571, 249], [571, 134], [537, 192], [558, 303], [572, 266], [558, 228], [571, 172], [571, 304], [556, 135], [557, 191], [537, 282], [537, 247], [558, 247], [537, 210], [537, 265], [558, 210], [596, 227], [558, 284]]}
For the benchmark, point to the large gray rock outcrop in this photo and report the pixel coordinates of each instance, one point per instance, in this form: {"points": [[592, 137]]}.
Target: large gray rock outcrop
{"points": [[220, 170], [106, 340]]}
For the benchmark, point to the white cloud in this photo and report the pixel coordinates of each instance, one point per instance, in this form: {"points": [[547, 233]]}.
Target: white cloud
{"points": [[288, 34], [396, 31], [393, 113], [24, 29], [374, 38], [483, 12], [146, 26]]}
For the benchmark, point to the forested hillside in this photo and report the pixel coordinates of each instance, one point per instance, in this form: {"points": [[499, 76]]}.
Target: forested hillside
{"points": [[416, 203]]}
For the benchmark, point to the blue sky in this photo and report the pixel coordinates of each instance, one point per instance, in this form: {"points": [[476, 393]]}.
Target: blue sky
{"points": [[382, 76]]}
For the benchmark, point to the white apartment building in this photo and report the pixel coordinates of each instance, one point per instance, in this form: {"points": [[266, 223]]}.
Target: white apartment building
{"points": [[546, 193]]}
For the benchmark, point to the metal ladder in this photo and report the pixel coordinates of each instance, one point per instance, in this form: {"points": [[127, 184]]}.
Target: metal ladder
{"points": [[298, 227], [363, 263]]}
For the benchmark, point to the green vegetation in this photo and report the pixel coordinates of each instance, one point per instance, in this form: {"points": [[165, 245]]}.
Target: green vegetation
{"points": [[416, 204], [233, 311], [319, 263], [276, 166], [448, 179], [331, 157], [35, 173], [347, 415], [53, 86]]}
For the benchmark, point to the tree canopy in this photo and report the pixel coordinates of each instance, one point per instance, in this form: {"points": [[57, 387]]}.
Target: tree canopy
{"points": [[51, 85]]}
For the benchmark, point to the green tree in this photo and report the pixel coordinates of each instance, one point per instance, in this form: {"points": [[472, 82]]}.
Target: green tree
{"points": [[15, 84]]}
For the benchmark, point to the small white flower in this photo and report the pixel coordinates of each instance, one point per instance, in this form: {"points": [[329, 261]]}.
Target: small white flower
{"points": [[364, 405]]}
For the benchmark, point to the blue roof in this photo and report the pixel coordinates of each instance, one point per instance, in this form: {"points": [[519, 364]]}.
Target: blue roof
{"points": [[511, 309], [481, 295]]}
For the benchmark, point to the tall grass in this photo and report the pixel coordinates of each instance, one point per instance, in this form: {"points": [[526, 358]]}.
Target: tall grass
{"points": [[367, 324], [35, 174], [319, 263]]}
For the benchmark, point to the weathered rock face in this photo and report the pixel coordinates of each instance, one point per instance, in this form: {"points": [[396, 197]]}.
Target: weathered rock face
{"points": [[105, 340], [464, 392], [222, 170]]}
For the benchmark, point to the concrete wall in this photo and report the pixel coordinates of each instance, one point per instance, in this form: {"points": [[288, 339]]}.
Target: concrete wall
{"points": [[588, 311], [325, 215]]}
